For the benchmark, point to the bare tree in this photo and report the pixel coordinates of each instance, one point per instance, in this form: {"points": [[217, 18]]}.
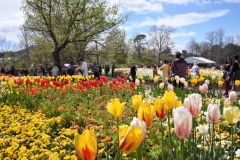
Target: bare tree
{"points": [[4, 49], [211, 37], [25, 44], [160, 38]]}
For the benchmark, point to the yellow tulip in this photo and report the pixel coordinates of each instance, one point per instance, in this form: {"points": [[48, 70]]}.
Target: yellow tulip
{"points": [[220, 83], [85, 145], [11, 83], [115, 107], [54, 156], [130, 138], [161, 110], [145, 113], [169, 98], [232, 114], [136, 101]]}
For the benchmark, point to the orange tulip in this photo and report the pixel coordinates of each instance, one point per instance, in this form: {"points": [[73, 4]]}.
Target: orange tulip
{"points": [[85, 145], [161, 110], [145, 113]]}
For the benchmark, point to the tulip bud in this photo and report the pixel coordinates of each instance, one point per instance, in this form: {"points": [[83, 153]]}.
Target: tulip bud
{"points": [[233, 96], [136, 101], [137, 123], [213, 112], [186, 84], [161, 85], [182, 122], [85, 145], [170, 87], [137, 82], [130, 137], [193, 103], [207, 81]]}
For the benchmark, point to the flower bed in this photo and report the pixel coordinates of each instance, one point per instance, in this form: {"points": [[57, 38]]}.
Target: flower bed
{"points": [[40, 116]]}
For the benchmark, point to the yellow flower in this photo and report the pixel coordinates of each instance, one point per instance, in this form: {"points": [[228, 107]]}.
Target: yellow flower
{"points": [[161, 110], [145, 113], [169, 98], [220, 83], [136, 101], [130, 138], [85, 145], [143, 81], [54, 156], [232, 114], [116, 107]]}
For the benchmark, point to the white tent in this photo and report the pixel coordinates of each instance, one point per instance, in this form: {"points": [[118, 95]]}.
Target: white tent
{"points": [[201, 61]]}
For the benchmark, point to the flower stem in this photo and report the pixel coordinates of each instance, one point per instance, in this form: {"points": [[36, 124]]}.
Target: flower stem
{"points": [[212, 141], [140, 151], [232, 143], [162, 140], [118, 148], [194, 136], [182, 149], [169, 129]]}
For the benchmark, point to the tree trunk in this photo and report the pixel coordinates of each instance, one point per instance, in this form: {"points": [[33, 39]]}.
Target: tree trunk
{"points": [[158, 59], [56, 58]]}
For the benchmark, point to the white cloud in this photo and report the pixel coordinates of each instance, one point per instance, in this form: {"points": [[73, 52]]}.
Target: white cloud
{"points": [[139, 6], [183, 34], [232, 1], [175, 1], [10, 20], [183, 19]]}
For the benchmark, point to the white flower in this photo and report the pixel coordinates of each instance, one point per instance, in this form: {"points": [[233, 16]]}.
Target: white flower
{"points": [[137, 82], [170, 87], [203, 129], [207, 81]]}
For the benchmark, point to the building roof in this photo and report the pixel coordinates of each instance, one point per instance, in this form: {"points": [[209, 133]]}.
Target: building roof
{"points": [[200, 60]]}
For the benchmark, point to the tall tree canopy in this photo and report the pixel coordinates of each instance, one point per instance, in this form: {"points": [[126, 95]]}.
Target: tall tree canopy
{"points": [[69, 21]]}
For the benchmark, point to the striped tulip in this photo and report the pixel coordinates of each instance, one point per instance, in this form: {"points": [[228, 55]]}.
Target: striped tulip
{"points": [[182, 122], [136, 101], [137, 123], [116, 107], [130, 137], [193, 103], [213, 113], [85, 145], [145, 113], [160, 109]]}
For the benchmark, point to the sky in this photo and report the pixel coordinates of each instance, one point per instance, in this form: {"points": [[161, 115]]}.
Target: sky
{"points": [[189, 18]]}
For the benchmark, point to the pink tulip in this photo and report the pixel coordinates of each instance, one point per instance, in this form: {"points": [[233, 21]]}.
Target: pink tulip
{"points": [[213, 112], [205, 87], [182, 122], [193, 103], [233, 96]]}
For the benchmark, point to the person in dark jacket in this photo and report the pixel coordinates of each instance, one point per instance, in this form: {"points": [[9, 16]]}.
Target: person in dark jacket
{"points": [[226, 73], [95, 70], [133, 72], [179, 67], [234, 72]]}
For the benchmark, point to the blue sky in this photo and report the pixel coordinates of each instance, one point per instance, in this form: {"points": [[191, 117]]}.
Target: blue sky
{"points": [[189, 18]]}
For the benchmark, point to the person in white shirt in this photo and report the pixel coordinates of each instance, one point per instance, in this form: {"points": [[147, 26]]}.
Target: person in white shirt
{"points": [[55, 70], [83, 66]]}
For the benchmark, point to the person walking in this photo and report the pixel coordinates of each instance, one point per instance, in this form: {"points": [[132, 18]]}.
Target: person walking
{"points": [[165, 71], [106, 70], [226, 73], [95, 70], [179, 68], [133, 72], [234, 72], [195, 69], [84, 67], [113, 68]]}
